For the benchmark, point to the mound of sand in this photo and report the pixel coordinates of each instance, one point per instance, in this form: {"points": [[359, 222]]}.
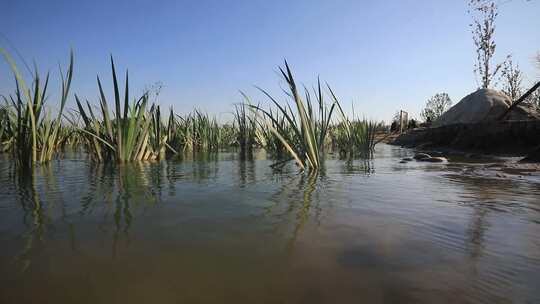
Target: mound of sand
{"points": [[482, 106]]}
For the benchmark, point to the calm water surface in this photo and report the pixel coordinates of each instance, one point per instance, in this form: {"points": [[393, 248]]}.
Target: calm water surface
{"points": [[223, 230]]}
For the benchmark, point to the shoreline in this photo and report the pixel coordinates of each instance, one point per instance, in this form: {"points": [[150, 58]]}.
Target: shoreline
{"points": [[503, 162], [516, 138]]}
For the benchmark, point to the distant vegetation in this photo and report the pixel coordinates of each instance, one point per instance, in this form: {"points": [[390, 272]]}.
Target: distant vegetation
{"points": [[484, 14], [512, 79], [436, 106], [507, 75], [134, 129]]}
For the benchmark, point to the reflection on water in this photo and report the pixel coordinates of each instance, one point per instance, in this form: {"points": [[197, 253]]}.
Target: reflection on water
{"points": [[33, 218], [222, 228]]}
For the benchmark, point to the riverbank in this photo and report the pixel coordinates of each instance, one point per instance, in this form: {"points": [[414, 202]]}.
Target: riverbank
{"points": [[490, 149], [486, 139]]}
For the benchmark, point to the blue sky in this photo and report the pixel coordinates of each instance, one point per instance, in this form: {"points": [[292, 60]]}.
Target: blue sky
{"points": [[380, 55]]}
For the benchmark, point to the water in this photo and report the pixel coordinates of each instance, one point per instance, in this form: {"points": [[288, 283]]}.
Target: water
{"points": [[223, 230]]}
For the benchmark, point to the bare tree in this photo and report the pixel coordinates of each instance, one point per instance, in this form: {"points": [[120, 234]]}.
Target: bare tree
{"points": [[535, 99], [538, 60], [484, 13], [436, 106], [512, 78]]}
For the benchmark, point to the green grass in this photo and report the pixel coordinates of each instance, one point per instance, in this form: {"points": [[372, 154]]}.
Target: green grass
{"points": [[270, 139], [306, 132], [198, 132], [246, 123], [302, 129], [6, 127], [305, 139], [134, 133], [353, 138], [35, 135]]}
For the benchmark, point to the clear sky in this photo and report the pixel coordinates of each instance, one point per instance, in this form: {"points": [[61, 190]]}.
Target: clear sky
{"points": [[381, 55]]}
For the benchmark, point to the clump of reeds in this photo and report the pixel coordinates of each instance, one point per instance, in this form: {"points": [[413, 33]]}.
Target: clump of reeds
{"points": [[198, 132], [268, 139], [70, 132], [354, 137], [34, 136], [308, 126], [135, 129], [6, 126], [134, 133], [245, 124]]}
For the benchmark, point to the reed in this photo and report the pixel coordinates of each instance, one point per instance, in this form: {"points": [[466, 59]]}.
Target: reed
{"points": [[309, 126], [35, 136], [354, 137], [246, 124], [6, 126], [135, 130], [159, 139], [171, 130], [268, 139], [198, 132], [133, 134], [71, 138]]}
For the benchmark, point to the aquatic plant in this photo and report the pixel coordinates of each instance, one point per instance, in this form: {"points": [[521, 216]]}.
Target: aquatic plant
{"points": [[136, 131], [69, 132], [268, 139], [198, 132], [354, 137], [246, 125], [35, 137], [309, 127], [133, 134], [6, 126]]}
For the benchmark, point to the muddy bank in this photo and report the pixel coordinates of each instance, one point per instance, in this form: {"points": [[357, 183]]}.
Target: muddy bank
{"points": [[500, 138], [489, 149]]}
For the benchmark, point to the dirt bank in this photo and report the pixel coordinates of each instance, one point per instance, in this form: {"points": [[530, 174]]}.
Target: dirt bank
{"points": [[499, 138]]}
